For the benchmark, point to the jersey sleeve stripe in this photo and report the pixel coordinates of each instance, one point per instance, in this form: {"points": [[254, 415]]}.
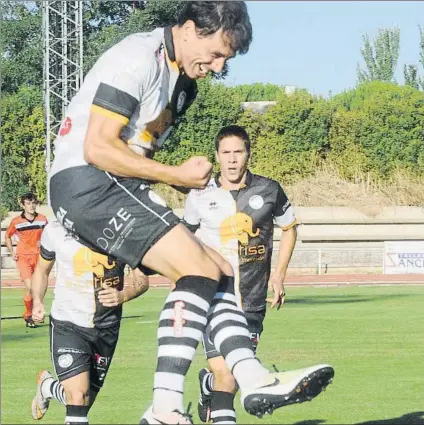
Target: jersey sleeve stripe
{"points": [[102, 111], [192, 227], [46, 254], [289, 226], [115, 100]]}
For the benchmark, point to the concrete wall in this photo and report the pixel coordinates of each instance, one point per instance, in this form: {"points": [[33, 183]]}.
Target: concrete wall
{"points": [[330, 239]]}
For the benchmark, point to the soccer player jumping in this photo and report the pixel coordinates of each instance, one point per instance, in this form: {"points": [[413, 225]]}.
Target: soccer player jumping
{"points": [[100, 189]]}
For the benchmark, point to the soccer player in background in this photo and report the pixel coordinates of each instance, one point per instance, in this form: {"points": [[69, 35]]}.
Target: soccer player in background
{"points": [[235, 215], [26, 228], [84, 323]]}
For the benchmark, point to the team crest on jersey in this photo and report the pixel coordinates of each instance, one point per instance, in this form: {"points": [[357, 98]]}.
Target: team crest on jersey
{"points": [[256, 202], [181, 101]]}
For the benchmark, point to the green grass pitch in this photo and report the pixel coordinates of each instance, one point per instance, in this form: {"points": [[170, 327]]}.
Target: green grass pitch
{"points": [[372, 336]]}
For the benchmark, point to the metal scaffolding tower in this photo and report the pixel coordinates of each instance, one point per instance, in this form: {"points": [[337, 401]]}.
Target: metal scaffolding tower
{"points": [[63, 63]]}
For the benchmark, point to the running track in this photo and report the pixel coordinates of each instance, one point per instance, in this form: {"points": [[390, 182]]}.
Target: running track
{"points": [[303, 280]]}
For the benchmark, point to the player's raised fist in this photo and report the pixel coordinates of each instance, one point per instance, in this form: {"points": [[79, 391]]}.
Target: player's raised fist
{"points": [[195, 172]]}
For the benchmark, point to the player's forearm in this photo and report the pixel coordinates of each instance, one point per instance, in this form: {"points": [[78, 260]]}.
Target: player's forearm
{"points": [[39, 283], [115, 156], [8, 242], [287, 244], [136, 287]]}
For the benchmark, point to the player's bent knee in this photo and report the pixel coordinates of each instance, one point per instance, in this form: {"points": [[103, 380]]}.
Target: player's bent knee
{"points": [[223, 378], [224, 381]]}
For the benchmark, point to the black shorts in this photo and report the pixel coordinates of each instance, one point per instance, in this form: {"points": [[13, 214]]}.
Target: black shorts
{"points": [[255, 322], [75, 350], [117, 216]]}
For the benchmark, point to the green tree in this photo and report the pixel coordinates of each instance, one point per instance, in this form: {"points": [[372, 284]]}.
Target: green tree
{"points": [[291, 137], [146, 17], [410, 73], [21, 58], [382, 57], [258, 92], [23, 144], [216, 106], [383, 124]]}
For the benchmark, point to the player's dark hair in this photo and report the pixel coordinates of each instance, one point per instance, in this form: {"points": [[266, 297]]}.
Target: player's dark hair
{"points": [[211, 16], [29, 196], [233, 130]]}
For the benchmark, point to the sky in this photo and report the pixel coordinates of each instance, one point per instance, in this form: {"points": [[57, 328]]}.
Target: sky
{"points": [[317, 44]]}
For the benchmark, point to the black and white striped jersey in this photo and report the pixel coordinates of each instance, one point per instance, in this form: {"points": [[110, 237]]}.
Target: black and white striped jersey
{"points": [[239, 224]]}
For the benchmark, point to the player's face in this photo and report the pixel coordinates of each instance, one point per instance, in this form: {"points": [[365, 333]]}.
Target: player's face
{"points": [[29, 206], [232, 158], [203, 54]]}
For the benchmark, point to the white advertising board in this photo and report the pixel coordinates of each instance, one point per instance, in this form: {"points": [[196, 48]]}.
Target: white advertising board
{"points": [[404, 257]]}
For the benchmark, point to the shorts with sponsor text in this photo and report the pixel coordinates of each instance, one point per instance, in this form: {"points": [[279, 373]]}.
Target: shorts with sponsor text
{"points": [[75, 350], [119, 216], [255, 324]]}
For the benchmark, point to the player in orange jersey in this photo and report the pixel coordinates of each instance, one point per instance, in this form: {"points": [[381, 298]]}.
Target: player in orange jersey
{"points": [[26, 228]]}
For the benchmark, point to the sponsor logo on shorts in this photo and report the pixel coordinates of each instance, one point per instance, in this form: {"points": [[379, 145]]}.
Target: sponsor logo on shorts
{"points": [[65, 221], [156, 198], [65, 360], [119, 227], [70, 350], [101, 361]]}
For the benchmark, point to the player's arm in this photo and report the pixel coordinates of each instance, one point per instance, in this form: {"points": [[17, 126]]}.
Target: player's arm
{"points": [[114, 103], [104, 149], [39, 284], [138, 284], [287, 244], [11, 230], [284, 218]]}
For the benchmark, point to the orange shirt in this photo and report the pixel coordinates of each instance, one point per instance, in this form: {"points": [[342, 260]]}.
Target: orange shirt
{"points": [[27, 233]]}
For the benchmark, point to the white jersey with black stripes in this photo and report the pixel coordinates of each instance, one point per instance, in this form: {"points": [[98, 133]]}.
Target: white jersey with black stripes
{"points": [[136, 82]]}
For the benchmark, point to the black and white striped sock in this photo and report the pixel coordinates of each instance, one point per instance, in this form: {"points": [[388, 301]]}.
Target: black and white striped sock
{"points": [[231, 337], [181, 325], [52, 388], [207, 383], [222, 408]]}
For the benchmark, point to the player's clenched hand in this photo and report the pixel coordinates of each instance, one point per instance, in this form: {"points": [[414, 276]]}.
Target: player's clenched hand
{"points": [[277, 285], [110, 297], [38, 312], [15, 256], [194, 173]]}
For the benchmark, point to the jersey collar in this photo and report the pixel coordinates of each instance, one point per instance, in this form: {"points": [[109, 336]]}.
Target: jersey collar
{"points": [[247, 183], [169, 48], [24, 217]]}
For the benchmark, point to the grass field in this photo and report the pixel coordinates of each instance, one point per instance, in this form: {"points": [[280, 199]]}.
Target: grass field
{"points": [[373, 336]]}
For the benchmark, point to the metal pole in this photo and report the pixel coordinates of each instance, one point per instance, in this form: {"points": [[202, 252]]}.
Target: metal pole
{"points": [[319, 261], [81, 45], [46, 38]]}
